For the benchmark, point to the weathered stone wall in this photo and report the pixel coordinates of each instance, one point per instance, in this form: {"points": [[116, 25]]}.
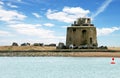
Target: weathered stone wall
{"points": [[81, 35]]}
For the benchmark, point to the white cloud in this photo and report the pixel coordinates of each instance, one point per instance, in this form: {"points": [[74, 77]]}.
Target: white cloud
{"points": [[106, 31], [76, 11], [5, 33], [10, 15], [36, 15], [33, 30], [68, 14], [1, 3], [12, 6], [8, 41], [101, 8], [49, 24]]}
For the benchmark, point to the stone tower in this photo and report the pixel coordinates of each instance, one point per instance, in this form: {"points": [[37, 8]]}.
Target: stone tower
{"points": [[81, 33]]}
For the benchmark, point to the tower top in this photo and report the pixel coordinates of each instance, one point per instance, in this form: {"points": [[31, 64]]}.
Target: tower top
{"points": [[83, 22]]}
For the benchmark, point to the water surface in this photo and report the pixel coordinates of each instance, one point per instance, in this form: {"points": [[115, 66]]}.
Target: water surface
{"points": [[59, 67]]}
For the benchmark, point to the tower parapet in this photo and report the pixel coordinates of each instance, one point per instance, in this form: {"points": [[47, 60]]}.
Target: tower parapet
{"points": [[82, 22]]}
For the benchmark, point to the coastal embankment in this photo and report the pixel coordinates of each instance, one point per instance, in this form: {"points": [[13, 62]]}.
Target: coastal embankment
{"points": [[34, 51]]}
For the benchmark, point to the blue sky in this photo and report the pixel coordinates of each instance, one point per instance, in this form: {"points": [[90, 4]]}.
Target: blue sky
{"points": [[45, 21]]}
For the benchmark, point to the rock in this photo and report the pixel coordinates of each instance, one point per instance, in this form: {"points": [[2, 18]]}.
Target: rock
{"points": [[14, 44], [61, 46]]}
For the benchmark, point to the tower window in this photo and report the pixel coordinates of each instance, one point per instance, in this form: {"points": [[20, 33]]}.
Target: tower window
{"points": [[84, 33], [84, 37], [91, 41], [74, 30]]}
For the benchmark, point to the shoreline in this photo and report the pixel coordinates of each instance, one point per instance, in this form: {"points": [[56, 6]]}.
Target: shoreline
{"points": [[60, 54], [37, 51]]}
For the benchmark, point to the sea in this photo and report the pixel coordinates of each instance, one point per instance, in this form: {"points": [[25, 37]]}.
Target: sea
{"points": [[59, 67]]}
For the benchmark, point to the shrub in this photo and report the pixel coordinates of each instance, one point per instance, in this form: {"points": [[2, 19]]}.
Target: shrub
{"points": [[25, 44], [38, 44], [103, 47], [14, 44], [52, 44]]}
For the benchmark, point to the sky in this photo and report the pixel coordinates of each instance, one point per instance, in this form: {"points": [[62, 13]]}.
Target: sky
{"points": [[45, 21]]}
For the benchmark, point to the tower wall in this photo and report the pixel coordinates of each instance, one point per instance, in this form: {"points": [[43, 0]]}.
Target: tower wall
{"points": [[81, 35]]}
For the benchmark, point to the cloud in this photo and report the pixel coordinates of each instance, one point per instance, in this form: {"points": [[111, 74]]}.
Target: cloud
{"points": [[49, 24], [106, 31], [5, 33], [1, 3], [101, 8], [10, 15], [68, 14], [32, 30], [12, 6], [36, 15], [8, 41], [37, 33]]}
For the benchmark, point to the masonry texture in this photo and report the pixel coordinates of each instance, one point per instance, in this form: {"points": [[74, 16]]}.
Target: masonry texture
{"points": [[81, 33]]}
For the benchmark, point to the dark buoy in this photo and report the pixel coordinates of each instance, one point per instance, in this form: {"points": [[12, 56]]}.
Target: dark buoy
{"points": [[113, 61]]}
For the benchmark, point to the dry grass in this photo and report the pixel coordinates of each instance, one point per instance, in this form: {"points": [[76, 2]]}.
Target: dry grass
{"points": [[25, 48], [114, 48]]}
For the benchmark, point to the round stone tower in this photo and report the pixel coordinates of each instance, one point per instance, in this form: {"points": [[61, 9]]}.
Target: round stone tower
{"points": [[81, 33]]}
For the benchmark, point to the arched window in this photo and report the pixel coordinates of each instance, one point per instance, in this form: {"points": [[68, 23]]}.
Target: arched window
{"points": [[84, 37], [88, 21], [91, 41], [84, 34]]}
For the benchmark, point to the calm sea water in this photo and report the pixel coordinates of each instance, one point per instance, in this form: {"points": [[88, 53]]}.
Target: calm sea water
{"points": [[58, 67]]}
